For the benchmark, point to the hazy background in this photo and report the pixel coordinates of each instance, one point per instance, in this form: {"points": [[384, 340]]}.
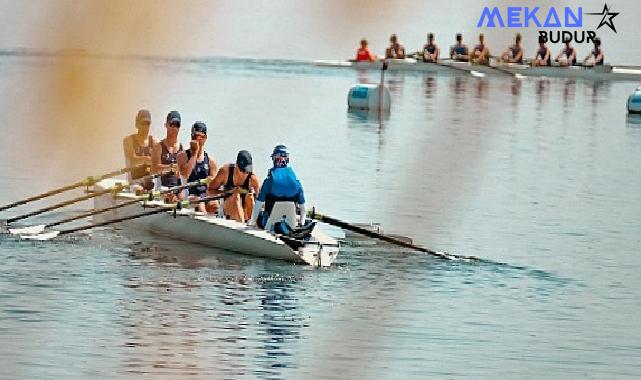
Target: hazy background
{"points": [[284, 29]]}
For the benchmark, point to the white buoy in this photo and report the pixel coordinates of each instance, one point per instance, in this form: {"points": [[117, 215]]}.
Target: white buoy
{"points": [[367, 97], [634, 101], [371, 97]]}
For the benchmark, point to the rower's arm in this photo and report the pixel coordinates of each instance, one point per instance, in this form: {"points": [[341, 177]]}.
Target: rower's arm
{"points": [[185, 166], [213, 168], [156, 166], [218, 181], [518, 56], [128, 149]]}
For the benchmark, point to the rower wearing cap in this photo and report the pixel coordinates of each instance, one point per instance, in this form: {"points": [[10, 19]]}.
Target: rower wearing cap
{"points": [[570, 55], [164, 155], [597, 56], [459, 50], [363, 54], [280, 186], [244, 184], [514, 53], [195, 165], [431, 51], [481, 54], [137, 148], [543, 54], [395, 50]]}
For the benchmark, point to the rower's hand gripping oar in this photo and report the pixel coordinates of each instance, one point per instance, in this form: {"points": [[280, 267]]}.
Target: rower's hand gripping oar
{"points": [[313, 214], [150, 196], [158, 210], [89, 181]]}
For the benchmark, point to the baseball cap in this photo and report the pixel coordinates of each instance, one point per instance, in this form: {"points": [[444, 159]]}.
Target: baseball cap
{"points": [[143, 115], [173, 117]]}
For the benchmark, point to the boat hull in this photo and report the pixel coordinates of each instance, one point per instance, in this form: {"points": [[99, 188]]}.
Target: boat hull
{"points": [[212, 231]]}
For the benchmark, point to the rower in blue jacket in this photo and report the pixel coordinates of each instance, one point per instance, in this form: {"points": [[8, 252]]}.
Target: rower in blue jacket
{"points": [[280, 185]]}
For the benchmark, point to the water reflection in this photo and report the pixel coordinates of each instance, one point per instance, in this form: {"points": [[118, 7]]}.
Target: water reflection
{"points": [[633, 121]]}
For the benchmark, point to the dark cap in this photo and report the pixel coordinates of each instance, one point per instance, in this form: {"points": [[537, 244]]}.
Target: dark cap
{"points": [[430, 35], [173, 117], [244, 161], [199, 127], [143, 115], [459, 36]]}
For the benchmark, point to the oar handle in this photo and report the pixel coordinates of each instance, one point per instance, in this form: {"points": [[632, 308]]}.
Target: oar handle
{"points": [[149, 196], [163, 208], [89, 181]]}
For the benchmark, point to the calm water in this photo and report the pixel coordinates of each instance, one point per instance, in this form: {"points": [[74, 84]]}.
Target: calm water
{"points": [[541, 174]]}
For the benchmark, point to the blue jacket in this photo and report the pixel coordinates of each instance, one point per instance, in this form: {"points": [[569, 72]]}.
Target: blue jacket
{"points": [[282, 183]]}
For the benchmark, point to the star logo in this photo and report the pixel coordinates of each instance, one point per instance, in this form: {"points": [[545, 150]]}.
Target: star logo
{"points": [[607, 17]]}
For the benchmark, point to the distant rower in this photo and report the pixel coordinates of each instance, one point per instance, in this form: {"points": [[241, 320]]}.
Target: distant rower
{"points": [[195, 164], [363, 54], [244, 184], [514, 53], [395, 50], [137, 148], [543, 54], [459, 50], [597, 56], [567, 56], [481, 54], [431, 50], [163, 155]]}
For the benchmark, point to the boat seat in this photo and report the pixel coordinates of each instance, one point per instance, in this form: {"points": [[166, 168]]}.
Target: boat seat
{"points": [[286, 210]]}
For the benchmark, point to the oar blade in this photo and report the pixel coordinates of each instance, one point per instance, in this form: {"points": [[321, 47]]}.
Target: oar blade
{"points": [[41, 237], [31, 230]]}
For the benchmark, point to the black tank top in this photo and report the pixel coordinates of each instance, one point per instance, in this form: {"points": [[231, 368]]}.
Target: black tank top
{"points": [[200, 171], [167, 158]]}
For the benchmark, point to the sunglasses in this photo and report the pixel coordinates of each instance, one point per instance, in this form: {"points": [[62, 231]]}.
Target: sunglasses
{"points": [[198, 135], [174, 125]]}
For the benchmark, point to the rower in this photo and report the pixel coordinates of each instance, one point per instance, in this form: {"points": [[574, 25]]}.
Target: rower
{"points": [[514, 53], [431, 51], [597, 56], [459, 51], [395, 50], [195, 164], [363, 54], [570, 55], [244, 184], [280, 193], [164, 154], [481, 54], [543, 54], [137, 148]]}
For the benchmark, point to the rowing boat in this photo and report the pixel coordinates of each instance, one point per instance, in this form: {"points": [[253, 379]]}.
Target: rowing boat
{"points": [[209, 230], [448, 67]]}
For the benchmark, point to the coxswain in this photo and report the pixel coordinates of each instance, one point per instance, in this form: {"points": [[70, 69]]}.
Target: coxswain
{"points": [[459, 50], [431, 51], [137, 148], [164, 156], [395, 50], [567, 56], [243, 184], [195, 164], [280, 189], [597, 56], [543, 54], [363, 54], [481, 54], [514, 53]]}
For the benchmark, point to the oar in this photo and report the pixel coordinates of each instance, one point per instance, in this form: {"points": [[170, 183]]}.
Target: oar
{"points": [[37, 229], [363, 231], [89, 181], [117, 188], [161, 208]]}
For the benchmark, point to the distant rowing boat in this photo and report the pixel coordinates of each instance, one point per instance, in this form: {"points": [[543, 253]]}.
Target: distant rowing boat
{"points": [[606, 72], [210, 230]]}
